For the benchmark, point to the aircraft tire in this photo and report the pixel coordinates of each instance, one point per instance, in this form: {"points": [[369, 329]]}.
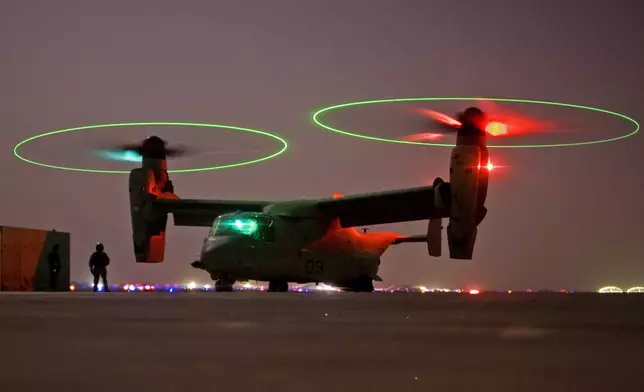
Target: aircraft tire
{"points": [[276, 286], [223, 286], [364, 284]]}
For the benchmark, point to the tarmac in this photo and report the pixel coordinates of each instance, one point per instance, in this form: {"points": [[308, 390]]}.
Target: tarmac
{"points": [[321, 342]]}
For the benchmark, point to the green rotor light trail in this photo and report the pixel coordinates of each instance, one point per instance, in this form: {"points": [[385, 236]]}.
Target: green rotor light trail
{"points": [[317, 115], [284, 146]]}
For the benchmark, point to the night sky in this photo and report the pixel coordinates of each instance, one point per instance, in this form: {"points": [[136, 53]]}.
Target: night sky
{"points": [[570, 217]]}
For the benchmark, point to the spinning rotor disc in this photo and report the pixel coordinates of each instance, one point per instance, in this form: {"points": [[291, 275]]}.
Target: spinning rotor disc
{"points": [[135, 149], [498, 127]]}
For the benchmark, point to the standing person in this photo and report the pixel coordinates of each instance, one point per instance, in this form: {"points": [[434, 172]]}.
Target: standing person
{"points": [[54, 267], [98, 263]]}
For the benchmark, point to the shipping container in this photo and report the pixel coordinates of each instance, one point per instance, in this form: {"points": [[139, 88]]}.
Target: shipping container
{"points": [[24, 262]]}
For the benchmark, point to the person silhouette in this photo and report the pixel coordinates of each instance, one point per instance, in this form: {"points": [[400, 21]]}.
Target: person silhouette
{"points": [[98, 263], [54, 267]]}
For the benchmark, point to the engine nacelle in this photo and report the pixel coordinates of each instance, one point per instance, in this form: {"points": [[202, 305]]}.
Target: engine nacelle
{"points": [[148, 184], [467, 209]]}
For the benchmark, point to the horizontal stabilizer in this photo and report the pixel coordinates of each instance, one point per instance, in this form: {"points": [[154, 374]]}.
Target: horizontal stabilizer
{"points": [[410, 239], [432, 238]]}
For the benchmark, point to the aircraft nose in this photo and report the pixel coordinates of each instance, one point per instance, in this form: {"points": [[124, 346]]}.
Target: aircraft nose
{"points": [[217, 251]]}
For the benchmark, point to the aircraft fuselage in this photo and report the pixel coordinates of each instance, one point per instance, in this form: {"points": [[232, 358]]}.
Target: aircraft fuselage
{"points": [[254, 246]]}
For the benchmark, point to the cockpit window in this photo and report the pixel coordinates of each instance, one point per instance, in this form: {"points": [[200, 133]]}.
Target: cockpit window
{"points": [[257, 226]]}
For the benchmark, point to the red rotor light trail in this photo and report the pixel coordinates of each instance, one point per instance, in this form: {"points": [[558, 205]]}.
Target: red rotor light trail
{"points": [[423, 136], [442, 117]]}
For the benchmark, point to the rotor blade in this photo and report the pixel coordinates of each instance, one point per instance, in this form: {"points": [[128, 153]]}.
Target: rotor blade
{"points": [[512, 121], [441, 118], [423, 137]]}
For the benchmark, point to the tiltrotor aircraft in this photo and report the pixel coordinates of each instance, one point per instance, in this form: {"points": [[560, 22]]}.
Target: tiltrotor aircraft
{"points": [[311, 241]]}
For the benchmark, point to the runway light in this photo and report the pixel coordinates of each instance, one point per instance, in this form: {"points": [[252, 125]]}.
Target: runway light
{"points": [[72, 287], [611, 290], [474, 292], [192, 286]]}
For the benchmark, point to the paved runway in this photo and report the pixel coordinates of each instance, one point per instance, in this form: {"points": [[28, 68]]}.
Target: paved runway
{"points": [[321, 342]]}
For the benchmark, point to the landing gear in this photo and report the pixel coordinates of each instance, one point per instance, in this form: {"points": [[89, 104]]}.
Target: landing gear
{"points": [[364, 284], [277, 286], [224, 285]]}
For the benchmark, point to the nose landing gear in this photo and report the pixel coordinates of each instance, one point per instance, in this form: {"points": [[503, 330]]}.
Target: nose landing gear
{"points": [[278, 286]]}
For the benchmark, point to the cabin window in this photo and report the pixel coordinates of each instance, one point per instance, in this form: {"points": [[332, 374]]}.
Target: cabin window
{"points": [[257, 226]]}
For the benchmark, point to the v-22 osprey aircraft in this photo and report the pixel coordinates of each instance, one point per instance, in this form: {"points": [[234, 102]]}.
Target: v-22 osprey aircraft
{"points": [[317, 240]]}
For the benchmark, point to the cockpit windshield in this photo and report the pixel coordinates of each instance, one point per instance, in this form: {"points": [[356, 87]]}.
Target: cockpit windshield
{"points": [[257, 226]]}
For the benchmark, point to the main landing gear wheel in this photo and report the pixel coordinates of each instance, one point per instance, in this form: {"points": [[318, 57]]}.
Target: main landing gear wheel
{"points": [[275, 286], [364, 284], [224, 285]]}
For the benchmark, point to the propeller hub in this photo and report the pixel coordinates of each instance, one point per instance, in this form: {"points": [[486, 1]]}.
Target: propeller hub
{"points": [[153, 147]]}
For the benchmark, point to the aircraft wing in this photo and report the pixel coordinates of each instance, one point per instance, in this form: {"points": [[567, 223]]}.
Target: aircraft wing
{"points": [[195, 212], [383, 207]]}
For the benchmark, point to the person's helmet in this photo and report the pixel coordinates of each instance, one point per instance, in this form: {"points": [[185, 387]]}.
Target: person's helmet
{"points": [[99, 247]]}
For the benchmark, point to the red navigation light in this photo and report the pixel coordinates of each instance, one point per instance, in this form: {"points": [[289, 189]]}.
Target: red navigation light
{"points": [[489, 166]]}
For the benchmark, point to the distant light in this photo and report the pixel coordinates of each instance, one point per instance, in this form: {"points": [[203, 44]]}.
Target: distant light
{"points": [[509, 291], [637, 289], [207, 287], [610, 290], [325, 287], [474, 292], [192, 286], [147, 287], [72, 287]]}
